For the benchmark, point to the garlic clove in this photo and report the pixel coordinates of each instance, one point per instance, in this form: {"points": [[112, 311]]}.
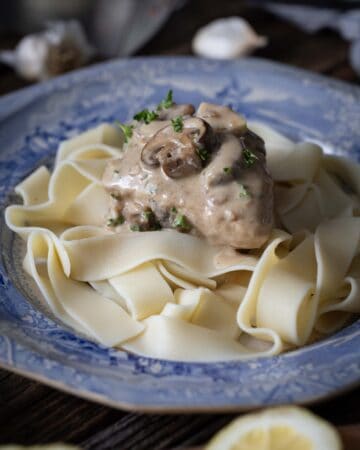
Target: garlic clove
{"points": [[61, 47], [30, 57], [228, 38]]}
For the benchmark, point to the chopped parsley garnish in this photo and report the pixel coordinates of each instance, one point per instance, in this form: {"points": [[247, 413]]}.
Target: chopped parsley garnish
{"points": [[115, 195], [181, 222], [173, 210], [146, 116], [114, 222], [227, 169], [167, 102], [243, 191], [135, 227], [203, 153], [177, 124], [126, 129], [148, 215], [152, 224], [249, 157]]}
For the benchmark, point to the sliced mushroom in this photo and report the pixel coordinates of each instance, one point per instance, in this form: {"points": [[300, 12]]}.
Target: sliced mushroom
{"points": [[149, 154], [180, 158], [222, 119], [177, 152], [196, 128], [253, 141], [175, 111]]}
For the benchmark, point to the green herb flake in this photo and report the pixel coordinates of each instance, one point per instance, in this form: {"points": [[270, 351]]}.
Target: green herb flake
{"points": [[116, 171], [126, 129], [115, 196], [249, 157], [146, 116], [178, 124], [135, 227], [181, 221], [152, 224], [203, 153], [167, 102], [148, 215], [227, 169], [173, 210], [243, 191], [114, 222]]}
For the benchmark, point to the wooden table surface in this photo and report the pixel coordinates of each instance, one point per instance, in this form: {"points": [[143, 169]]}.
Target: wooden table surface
{"points": [[31, 413]]}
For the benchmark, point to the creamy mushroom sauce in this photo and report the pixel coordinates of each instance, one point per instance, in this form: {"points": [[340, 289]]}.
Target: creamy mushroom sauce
{"points": [[209, 178]]}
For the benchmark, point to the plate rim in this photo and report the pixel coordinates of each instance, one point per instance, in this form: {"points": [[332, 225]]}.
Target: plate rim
{"points": [[18, 98], [153, 409]]}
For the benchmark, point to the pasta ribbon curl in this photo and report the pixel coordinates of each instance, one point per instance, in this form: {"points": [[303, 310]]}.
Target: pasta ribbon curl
{"points": [[164, 294]]}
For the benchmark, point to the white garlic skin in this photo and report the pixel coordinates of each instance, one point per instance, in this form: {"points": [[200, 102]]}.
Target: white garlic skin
{"points": [[30, 57], [228, 38], [61, 47]]}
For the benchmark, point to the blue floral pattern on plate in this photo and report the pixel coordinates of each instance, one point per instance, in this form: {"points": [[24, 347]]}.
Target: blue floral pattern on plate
{"points": [[33, 122]]}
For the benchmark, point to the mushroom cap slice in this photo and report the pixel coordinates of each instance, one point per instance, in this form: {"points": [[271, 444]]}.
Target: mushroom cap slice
{"points": [[177, 152], [253, 141], [176, 110], [179, 158], [149, 153], [196, 128], [222, 119]]}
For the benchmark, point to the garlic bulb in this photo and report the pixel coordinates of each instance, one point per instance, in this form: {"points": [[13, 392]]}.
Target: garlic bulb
{"points": [[61, 47], [228, 38]]}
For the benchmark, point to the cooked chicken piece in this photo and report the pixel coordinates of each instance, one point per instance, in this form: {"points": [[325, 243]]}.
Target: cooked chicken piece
{"points": [[205, 174]]}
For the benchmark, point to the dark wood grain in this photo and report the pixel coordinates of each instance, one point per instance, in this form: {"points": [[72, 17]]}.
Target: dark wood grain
{"points": [[31, 413], [324, 52]]}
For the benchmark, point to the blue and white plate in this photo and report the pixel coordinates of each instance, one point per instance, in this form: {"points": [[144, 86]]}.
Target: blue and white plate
{"points": [[32, 123]]}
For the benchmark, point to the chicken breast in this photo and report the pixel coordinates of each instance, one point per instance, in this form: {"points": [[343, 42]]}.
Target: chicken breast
{"points": [[203, 173]]}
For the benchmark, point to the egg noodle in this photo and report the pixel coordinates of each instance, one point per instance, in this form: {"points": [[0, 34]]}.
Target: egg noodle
{"points": [[161, 293]]}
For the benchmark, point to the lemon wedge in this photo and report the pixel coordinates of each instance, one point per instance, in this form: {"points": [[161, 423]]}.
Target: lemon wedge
{"points": [[282, 428]]}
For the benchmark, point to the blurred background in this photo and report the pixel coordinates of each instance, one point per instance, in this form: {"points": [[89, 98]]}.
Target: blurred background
{"points": [[40, 39]]}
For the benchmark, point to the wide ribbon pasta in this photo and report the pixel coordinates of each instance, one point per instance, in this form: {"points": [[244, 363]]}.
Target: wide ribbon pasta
{"points": [[164, 294]]}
